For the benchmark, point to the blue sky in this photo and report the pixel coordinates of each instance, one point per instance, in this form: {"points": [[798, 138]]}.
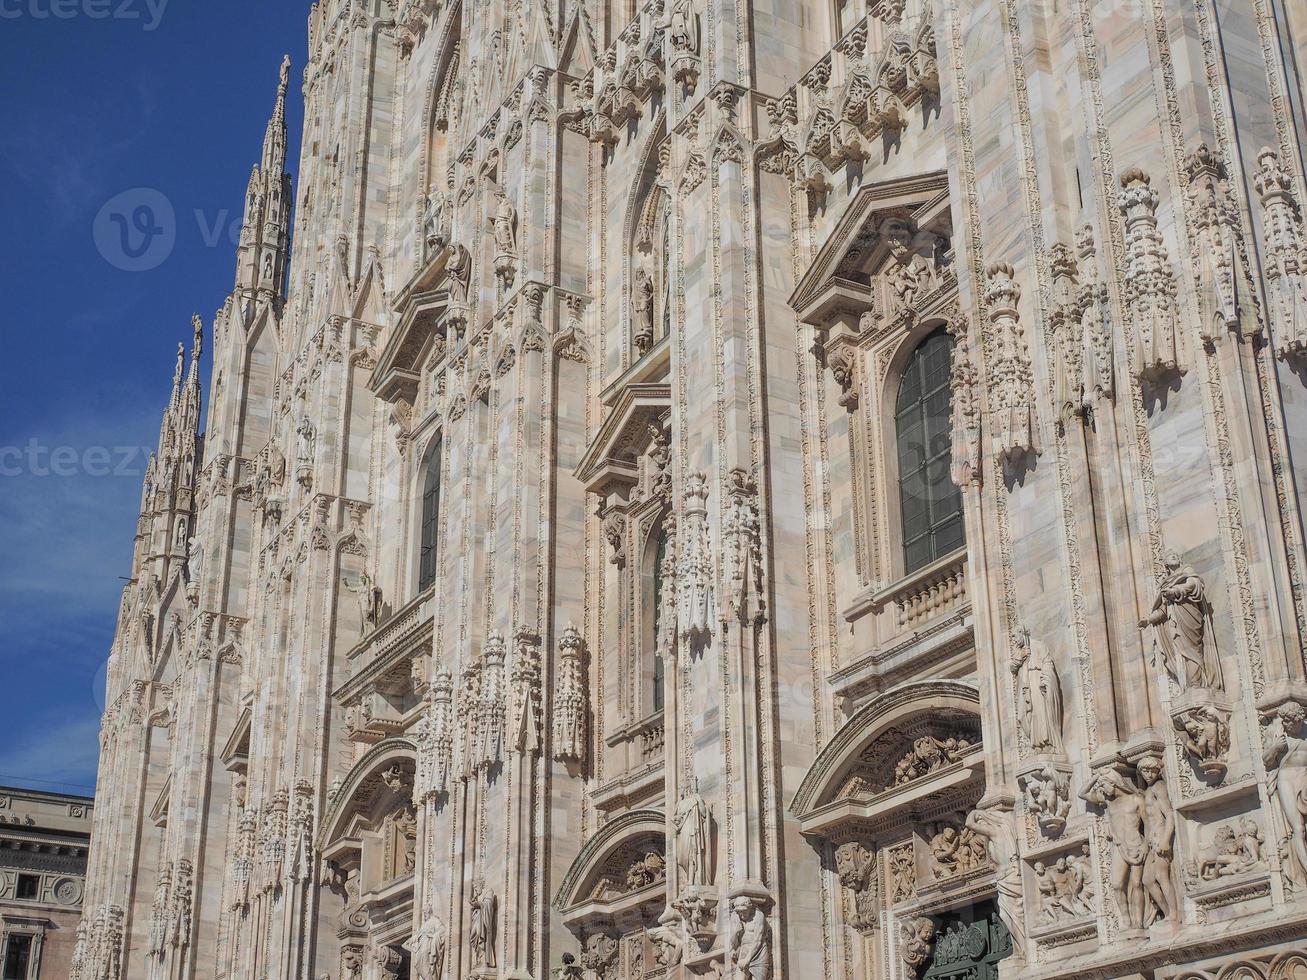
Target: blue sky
{"points": [[173, 100]]}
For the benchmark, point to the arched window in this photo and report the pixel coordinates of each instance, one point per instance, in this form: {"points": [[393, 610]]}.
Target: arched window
{"points": [[430, 521], [930, 504], [658, 699]]}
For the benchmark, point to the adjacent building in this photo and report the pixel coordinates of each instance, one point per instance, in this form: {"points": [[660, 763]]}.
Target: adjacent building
{"points": [[760, 490], [44, 838]]}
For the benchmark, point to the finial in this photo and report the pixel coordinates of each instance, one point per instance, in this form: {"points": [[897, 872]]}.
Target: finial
{"points": [[285, 73], [198, 347]]}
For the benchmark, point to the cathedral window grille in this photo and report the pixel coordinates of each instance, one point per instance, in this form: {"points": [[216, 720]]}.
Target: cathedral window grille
{"points": [[930, 503], [430, 522]]}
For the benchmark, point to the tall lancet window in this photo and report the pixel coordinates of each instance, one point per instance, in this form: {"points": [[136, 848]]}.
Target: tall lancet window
{"points": [[430, 521], [930, 504]]}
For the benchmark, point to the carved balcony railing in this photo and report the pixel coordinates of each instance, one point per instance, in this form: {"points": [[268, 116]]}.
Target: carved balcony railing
{"points": [[927, 594]]}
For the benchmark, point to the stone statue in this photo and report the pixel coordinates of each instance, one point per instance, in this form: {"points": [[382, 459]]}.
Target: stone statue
{"points": [[996, 826], [307, 435], [692, 840], [1126, 818], [458, 273], [683, 28], [505, 229], [916, 943], [642, 303], [1039, 694], [751, 941], [1183, 638], [434, 218], [1159, 825], [1285, 757], [428, 948], [485, 909]]}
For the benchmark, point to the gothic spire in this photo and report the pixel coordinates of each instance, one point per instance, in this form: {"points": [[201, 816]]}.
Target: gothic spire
{"points": [[274, 141], [265, 236]]}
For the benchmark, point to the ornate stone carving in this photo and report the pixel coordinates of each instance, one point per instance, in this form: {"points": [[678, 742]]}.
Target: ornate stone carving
{"points": [[569, 707], [1007, 365], [435, 219], [615, 533], [642, 311], [1285, 758], [435, 739], [965, 386], [1047, 792], [524, 723], [1236, 849], [1082, 342], [750, 949], [996, 827], [842, 359], [490, 718], [929, 754], [484, 931], [683, 38], [855, 865], [696, 599], [1150, 291], [1286, 254], [956, 851], [743, 546], [599, 955], [1184, 639], [901, 873], [667, 939], [505, 224], [1065, 888], [1204, 732], [1159, 825], [458, 279], [1141, 833], [307, 440], [1039, 693], [428, 947], [1213, 218], [693, 840], [916, 943]]}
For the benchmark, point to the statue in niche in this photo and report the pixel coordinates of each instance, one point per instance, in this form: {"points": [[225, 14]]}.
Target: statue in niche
{"points": [[692, 841], [369, 598], [485, 908], [996, 828], [642, 304], [1126, 820], [306, 437], [1285, 757], [458, 273], [434, 218], [683, 28], [1039, 694], [505, 222], [1159, 826], [1184, 640], [428, 948], [751, 941]]}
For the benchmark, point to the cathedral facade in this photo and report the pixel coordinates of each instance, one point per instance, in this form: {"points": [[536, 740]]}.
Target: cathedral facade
{"points": [[758, 490]]}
